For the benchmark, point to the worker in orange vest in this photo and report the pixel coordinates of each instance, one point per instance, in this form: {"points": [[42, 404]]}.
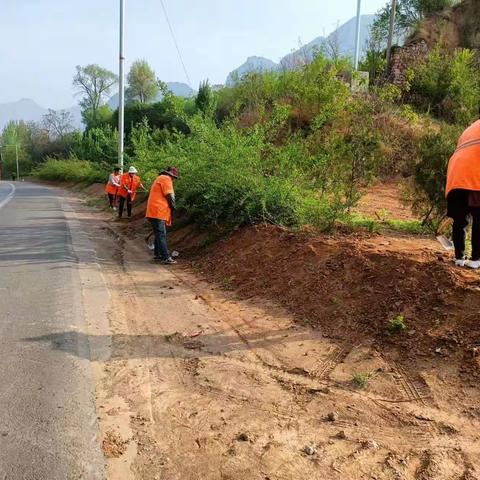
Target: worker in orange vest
{"points": [[111, 187], [129, 184], [463, 194], [161, 204]]}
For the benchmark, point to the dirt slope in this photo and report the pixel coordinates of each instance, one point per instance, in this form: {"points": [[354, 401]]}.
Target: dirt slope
{"points": [[253, 378]]}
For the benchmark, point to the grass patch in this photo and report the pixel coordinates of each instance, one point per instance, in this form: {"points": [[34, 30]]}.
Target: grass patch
{"points": [[361, 380], [397, 324], [413, 227], [227, 284]]}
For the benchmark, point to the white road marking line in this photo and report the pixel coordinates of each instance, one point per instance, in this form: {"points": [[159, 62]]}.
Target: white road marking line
{"points": [[9, 196]]}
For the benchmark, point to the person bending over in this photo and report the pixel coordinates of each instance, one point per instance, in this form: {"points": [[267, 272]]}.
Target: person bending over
{"points": [[111, 188], [130, 182], [463, 195], [161, 204]]}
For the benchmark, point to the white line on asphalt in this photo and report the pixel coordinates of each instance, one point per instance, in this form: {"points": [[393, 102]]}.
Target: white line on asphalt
{"points": [[9, 196]]}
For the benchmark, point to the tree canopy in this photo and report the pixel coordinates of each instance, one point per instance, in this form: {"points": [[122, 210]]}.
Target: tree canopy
{"points": [[143, 85], [94, 84]]}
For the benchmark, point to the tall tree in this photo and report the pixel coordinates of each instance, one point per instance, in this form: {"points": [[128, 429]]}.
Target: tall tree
{"points": [[143, 85], [205, 100], [58, 123], [94, 84], [13, 142]]}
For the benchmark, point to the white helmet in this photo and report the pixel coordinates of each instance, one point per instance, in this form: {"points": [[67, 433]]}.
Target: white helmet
{"points": [[132, 169]]}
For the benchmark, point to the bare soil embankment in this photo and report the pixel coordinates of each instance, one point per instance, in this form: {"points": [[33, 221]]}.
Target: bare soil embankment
{"points": [[268, 354]]}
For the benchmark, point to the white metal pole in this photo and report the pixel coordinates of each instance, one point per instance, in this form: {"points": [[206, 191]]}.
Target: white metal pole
{"points": [[16, 157], [393, 12], [121, 91], [357, 34]]}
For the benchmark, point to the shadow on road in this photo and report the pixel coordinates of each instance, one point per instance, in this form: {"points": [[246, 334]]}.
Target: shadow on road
{"points": [[164, 346]]}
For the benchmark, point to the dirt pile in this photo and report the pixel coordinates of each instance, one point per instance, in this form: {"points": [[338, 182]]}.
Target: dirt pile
{"points": [[353, 286]]}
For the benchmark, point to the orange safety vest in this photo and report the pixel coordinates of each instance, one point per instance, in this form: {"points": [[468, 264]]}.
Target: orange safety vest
{"points": [[129, 183], [464, 165], [157, 206], [109, 187]]}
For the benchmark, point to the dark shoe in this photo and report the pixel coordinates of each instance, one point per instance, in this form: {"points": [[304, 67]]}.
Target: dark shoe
{"points": [[169, 261]]}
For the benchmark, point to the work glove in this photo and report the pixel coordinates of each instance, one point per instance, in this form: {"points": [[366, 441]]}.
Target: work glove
{"points": [[171, 201]]}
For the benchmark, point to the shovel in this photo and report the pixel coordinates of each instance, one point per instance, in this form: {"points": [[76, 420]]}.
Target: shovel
{"points": [[445, 242]]}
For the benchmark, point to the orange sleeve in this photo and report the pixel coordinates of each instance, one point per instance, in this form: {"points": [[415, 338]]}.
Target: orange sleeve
{"points": [[167, 186]]}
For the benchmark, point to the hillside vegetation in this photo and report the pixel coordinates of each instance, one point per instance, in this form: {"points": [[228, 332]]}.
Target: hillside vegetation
{"points": [[291, 148]]}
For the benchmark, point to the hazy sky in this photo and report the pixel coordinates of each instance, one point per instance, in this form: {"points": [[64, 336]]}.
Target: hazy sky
{"points": [[41, 41]]}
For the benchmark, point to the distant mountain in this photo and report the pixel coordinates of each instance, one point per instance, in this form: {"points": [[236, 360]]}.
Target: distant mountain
{"points": [[253, 64], [177, 88], [342, 40], [24, 109], [29, 111], [181, 89]]}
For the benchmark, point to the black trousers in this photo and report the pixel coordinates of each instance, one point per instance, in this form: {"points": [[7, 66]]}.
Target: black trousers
{"points": [[121, 205], [460, 211], [459, 233], [111, 199]]}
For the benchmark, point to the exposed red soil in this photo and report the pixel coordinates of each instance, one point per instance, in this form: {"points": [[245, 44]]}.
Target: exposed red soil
{"points": [[238, 387], [383, 201], [351, 286]]}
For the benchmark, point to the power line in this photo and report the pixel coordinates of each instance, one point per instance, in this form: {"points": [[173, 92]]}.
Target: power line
{"points": [[175, 42]]}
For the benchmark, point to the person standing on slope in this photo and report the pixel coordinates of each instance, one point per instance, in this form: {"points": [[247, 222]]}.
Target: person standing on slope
{"points": [[463, 194], [161, 204], [129, 184], [111, 187]]}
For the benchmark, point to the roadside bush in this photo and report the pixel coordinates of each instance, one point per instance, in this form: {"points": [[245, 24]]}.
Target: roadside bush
{"points": [[447, 84], [69, 170], [313, 92], [234, 177], [428, 189], [169, 114], [97, 145]]}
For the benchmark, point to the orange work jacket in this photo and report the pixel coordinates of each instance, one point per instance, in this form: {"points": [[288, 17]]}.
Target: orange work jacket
{"points": [[129, 183], [109, 187], [157, 206], [464, 165]]}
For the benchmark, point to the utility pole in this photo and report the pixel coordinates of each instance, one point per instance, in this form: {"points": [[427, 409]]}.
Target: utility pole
{"points": [[16, 158], [121, 92], [393, 11], [357, 34]]}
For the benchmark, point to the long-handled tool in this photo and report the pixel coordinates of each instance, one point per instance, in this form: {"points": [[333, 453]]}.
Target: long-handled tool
{"points": [[150, 244], [445, 242]]}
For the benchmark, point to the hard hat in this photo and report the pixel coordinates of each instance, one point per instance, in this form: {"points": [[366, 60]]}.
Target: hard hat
{"points": [[132, 169]]}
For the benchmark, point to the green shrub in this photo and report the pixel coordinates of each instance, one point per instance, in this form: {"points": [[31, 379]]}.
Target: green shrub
{"points": [[361, 379], [447, 84], [70, 170], [397, 324], [233, 177], [98, 145], [428, 190]]}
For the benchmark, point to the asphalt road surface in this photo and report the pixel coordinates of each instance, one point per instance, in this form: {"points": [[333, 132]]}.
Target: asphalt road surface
{"points": [[48, 423]]}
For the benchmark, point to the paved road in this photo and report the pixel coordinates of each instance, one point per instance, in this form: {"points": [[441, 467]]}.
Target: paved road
{"points": [[48, 425]]}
